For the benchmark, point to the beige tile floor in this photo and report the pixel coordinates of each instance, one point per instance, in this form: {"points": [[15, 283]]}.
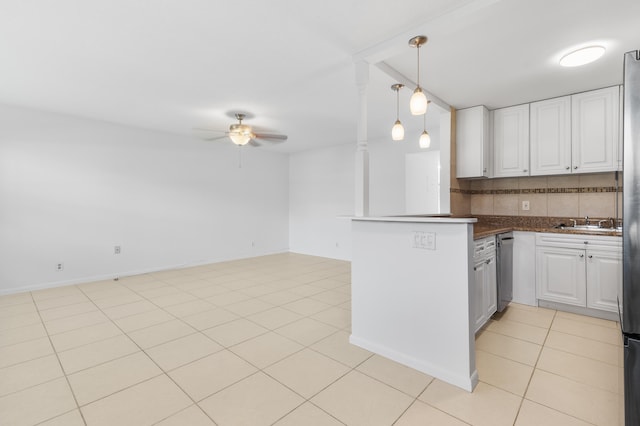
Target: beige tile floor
{"points": [[265, 341]]}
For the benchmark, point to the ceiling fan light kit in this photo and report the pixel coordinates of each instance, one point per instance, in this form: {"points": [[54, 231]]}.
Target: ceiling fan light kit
{"points": [[240, 133], [418, 103], [243, 134]]}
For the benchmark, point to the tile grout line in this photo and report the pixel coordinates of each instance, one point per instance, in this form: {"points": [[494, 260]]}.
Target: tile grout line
{"points": [[535, 366], [163, 372], [73, 394], [166, 372]]}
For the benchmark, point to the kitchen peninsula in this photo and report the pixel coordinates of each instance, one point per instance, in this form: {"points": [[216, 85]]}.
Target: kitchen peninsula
{"points": [[411, 281]]}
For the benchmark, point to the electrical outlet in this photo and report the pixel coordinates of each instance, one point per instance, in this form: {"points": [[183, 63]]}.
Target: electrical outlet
{"points": [[525, 205], [116, 249], [59, 266]]}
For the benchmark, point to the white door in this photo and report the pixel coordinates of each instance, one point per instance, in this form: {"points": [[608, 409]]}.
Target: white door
{"points": [[422, 182], [604, 275], [561, 275], [511, 141], [550, 136], [595, 130]]}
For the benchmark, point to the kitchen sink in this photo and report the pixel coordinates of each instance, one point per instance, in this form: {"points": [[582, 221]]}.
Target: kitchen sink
{"points": [[590, 228]]}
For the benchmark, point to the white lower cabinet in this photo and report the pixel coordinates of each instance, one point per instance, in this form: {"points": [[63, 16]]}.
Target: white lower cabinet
{"points": [[583, 271], [561, 275], [484, 301], [604, 275]]}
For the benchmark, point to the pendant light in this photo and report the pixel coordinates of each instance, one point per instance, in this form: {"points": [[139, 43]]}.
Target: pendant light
{"points": [[418, 103], [425, 139], [397, 132]]}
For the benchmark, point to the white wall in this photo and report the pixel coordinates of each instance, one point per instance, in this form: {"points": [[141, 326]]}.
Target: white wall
{"points": [[71, 189], [387, 173], [321, 188]]}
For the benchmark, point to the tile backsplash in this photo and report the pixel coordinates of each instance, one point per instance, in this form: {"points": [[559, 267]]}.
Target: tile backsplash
{"points": [[591, 195]]}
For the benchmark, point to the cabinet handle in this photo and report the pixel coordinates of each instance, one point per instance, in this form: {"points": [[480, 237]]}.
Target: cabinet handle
{"points": [[488, 261], [582, 255], [575, 167], [475, 268], [525, 171], [484, 170], [590, 256], [567, 168]]}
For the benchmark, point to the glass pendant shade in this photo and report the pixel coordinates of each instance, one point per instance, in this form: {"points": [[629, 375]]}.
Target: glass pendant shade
{"points": [[239, 138], [240, 134], [397, 132], [418, 103], [425, 140]]}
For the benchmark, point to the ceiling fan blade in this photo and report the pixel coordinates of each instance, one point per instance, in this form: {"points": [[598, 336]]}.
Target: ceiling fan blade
{"points": [[253, 143], [202, 129], [216, 138], [271, 136]]}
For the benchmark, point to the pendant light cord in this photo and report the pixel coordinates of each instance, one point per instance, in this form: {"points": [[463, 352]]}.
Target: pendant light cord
{"points": [[418, 48]]}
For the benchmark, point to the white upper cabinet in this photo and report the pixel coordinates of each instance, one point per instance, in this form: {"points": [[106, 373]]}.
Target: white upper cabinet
{"points": [[511, 141], [551, 137], [472, 142], [595, 130], [579, 133]]}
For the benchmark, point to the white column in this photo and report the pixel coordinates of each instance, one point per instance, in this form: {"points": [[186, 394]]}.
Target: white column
{"points": [[362, 153]]}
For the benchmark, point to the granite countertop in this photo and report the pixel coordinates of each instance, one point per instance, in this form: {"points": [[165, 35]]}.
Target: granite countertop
{"points": [[493, 225]]}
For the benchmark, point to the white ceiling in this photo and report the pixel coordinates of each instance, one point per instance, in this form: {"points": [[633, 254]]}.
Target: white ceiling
{"points": [[175, 65]]}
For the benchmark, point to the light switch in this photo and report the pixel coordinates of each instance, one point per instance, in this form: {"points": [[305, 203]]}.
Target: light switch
{"points": [[424, 240]]}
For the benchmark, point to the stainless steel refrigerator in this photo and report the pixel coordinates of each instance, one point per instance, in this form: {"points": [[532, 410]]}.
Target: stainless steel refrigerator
{"points": [[630, 303]]}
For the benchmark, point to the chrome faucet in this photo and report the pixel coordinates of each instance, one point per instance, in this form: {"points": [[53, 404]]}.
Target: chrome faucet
{"points": [[574, 222]]}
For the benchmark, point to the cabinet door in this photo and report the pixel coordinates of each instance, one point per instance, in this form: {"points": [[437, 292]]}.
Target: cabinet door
{"points": [[491, 287], [472, 142], [477, 302], [561, 275], [604, 275], [511, 141], [595, 130], [550, 144]]}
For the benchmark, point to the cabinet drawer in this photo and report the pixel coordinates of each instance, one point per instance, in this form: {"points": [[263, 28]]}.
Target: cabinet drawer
{"points": [[484, 247], [579, 241]]}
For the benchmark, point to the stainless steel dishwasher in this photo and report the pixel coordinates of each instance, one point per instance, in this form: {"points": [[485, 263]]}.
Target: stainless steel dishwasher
{"points": [[504, 272]]}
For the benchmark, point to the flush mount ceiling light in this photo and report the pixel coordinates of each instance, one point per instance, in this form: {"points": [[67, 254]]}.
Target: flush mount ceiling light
{"points": [[418, 103], [397, 132], [582, 56]]}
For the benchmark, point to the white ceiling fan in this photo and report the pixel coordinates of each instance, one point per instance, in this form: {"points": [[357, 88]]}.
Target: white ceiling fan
{"points": [[242, 134]]}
